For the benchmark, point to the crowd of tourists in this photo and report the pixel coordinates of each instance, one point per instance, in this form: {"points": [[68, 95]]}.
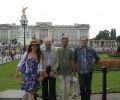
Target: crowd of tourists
{"points": [[10, 51]]}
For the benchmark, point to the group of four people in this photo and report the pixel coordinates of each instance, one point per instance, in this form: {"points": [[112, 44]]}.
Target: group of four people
{"points": [[62, 63]]}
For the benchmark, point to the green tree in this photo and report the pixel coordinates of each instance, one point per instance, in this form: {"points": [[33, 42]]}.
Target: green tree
{"points": [[118, 43], [105, 35], [113, 34], [118, 40]]}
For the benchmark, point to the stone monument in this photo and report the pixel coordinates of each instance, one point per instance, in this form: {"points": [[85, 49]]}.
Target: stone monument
{"points": [[24, 17], [24, 29]]}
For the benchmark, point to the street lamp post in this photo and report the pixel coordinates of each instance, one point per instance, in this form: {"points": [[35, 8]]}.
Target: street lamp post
{"points": [[24, 24]]}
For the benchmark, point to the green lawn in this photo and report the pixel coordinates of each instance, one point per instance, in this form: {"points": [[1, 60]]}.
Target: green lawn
{"points": [[113, 81], [7, 76], [8, 81]]}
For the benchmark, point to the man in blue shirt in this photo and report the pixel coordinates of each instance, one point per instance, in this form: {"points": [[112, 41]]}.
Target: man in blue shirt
{"points": [[84, 58]]}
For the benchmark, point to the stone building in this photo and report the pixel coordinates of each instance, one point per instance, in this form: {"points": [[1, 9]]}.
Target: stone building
{"points": [[40, 30], [73, 32], [104, 45]]}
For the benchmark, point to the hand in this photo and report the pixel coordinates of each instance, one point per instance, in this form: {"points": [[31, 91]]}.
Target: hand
{"points": [[17, 76], [44, 75], [74, 73], [52, 74], [64, 75], [17, 73]]}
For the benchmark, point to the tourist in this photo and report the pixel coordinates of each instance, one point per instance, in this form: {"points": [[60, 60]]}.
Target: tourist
{"points": [[84, 59], [65, 69], [33, 69], [50, 64]]}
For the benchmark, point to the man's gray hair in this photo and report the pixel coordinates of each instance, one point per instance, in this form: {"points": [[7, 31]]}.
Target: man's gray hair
{"points": [[47, 39]]}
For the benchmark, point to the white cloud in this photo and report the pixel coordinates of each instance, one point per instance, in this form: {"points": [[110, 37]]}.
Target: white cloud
{"points": [[100, 14]]}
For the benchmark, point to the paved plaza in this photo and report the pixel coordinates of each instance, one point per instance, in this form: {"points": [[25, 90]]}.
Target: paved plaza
{"points": [[110, 96], [21, 95]]}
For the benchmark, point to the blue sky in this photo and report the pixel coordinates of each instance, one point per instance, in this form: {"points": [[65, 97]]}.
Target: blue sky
{"points": [[100, 14]]}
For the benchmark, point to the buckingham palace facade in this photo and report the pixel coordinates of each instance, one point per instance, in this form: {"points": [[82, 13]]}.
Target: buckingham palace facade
{"points": [[40, 30]]}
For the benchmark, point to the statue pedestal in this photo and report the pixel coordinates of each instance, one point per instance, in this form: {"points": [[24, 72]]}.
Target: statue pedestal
{"points": [[21, 39]]}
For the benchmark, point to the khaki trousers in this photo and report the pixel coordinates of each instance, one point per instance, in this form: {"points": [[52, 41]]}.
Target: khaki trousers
{"points": [[63, 87]]}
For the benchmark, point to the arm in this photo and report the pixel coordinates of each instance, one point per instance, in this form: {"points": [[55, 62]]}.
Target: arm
{"points": [[23, 58], [55, 66], [17, 70], [75, 59], [75, 56], [73, 64], [39, 67], [97, 58], [43, 60], [56, 61]]}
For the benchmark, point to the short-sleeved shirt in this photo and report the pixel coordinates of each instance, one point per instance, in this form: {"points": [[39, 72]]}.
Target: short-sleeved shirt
{"points": [[65, 55]]}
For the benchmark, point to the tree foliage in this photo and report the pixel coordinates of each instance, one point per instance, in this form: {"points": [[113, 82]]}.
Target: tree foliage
{"points": [[113, 34], [118, 39], [105, 35]]}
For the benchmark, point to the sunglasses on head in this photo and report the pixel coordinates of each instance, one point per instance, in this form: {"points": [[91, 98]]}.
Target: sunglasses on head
{"points": [[34, 44]]}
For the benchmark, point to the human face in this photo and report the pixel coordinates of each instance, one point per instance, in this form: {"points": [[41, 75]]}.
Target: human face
{"points": [[84, 41], [64, 43], [48, 44], [34, 46]]}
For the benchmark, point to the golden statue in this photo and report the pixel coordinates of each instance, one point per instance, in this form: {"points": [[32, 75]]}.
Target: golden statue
{"points": [[24, 17], [23, 10]]}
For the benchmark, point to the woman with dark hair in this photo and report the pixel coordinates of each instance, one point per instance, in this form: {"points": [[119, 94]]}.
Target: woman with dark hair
{"points": [[33, 69]]}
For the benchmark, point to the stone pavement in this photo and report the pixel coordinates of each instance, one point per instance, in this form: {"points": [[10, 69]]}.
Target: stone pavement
{"points": [[13, 95], [21, 95], [110, 96]]}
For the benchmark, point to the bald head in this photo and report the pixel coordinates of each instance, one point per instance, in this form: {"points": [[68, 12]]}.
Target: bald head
{"points": [[48, 42]]}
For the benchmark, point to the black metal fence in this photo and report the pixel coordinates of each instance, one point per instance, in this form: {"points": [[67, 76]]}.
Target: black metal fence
{"points": [[104, 71]]}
